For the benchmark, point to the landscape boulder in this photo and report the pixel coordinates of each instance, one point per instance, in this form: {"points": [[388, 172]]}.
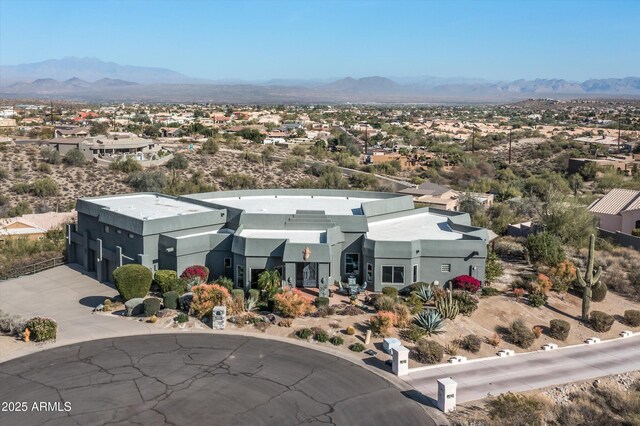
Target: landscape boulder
{"points": [[134, 306]]}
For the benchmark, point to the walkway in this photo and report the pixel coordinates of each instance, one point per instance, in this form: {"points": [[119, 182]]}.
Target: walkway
{"points": [[532, 371]]}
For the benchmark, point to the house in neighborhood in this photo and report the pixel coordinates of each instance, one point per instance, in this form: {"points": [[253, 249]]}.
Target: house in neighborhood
{"points": [[313, 237], [34, 226], [71, 132], [171, 132], [434, 195], [618, 211]]}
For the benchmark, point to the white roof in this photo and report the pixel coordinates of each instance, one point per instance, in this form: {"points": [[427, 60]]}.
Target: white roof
{"points": [[288, 204], [149, 206], [423, 226], [294, 236]]}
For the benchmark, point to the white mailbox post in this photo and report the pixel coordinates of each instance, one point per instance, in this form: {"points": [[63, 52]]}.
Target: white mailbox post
{"points": [[219, 317], [446, 394], [400, 364]]}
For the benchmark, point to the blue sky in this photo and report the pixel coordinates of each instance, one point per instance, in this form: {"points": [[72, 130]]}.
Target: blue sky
{"points": [[251, 40]]}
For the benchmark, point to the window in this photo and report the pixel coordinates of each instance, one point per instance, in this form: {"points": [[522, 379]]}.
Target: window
{"points": [[445, 267], [369, 273], [393, 274], [131, 235], [352, 264], [415, 274], [227, 262], [106, 229]]}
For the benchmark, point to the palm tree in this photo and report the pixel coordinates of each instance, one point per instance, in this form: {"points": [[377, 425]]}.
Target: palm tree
{"points": [[269, 282]]}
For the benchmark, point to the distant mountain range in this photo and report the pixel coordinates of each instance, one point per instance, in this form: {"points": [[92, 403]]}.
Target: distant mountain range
{"points": [[93, 80]]}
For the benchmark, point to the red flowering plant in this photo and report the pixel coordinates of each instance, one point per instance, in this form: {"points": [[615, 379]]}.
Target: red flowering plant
{"points": [[467, 283], [196, 274]]}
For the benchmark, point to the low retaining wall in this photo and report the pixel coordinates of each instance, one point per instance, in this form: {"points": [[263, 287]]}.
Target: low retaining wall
{"points": [[619, 238]]}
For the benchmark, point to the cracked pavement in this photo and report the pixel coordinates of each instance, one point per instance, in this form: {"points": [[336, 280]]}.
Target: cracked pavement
{"points": [[180, 379]]}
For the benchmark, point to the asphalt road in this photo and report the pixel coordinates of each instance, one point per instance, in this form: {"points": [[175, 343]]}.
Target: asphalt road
{"points": [[532, 371], [187, 379]]}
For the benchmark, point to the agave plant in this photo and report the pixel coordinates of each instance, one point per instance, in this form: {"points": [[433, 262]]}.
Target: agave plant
{"points": [[425, 292], [430, 321], [251, 304]]}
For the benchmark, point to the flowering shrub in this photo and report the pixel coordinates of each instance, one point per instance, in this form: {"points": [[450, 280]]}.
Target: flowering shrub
{"points": [[402, 316], [563, 275], [196, 273], [467, 283], [381, 322], [291, 303], [206, 296], [518, 292], [42, 329], [541, 285]]}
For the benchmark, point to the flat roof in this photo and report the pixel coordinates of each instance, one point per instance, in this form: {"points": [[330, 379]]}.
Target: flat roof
{"points": [[423, 226], [294, 236], [289, 204], [149, 206]]}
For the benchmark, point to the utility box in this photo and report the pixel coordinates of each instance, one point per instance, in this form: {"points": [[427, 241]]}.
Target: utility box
{"points": [[447, 394], [389, 343], [400, 365], [219, 317]]}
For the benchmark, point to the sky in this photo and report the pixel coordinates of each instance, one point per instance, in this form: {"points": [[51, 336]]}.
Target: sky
{"points": [[307, 39]]}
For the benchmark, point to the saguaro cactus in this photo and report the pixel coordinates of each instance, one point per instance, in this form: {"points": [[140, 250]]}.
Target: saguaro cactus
{"points": [[590, 279]]}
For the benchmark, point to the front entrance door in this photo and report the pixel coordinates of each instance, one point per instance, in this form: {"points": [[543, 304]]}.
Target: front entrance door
{"points": [[255, 275], [306, 274]]}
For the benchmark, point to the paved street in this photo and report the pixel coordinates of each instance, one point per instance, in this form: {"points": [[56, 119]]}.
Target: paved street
{"points": [[200, 379], [532, 371]]}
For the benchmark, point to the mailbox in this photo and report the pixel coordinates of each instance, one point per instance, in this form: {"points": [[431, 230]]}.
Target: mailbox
{"points": [[447, 394], [219, 317], [400, 363]]}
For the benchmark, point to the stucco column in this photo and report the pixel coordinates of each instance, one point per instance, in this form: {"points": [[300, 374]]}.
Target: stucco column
{"points": [[85, 250], [99, 265], [119, 256]]}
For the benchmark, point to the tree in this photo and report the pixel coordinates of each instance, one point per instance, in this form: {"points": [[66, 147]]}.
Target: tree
{"points": [[147, 181], [493, 268], [545, 248], [269, 282], [179, 162], [98, 128], [564, 217], [74, 157]]}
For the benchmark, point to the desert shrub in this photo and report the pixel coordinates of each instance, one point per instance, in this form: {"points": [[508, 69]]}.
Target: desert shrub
{"points": [[559, 329], [42, 329], [132, 281], [357, 347], [336, 341], [128, 165], [452, 348], [599, 292], [390, 291], [254, 293], [319, 335], [509, 247], [178, 285], [512, 409], [541, 285], [181, 318], [493, 268], [50, 155], [471, 343], [413, 333], [427, 352], [600, 321], [325, 311], [170, 299], [520, 334], [350, 310], [197, 274], [381, 322], [414, 303], [206, 296], [11, 324], [304, 333], [238, 294], [162, 278], [563, 275], [494, 340], [225, 282], [291, 303], [537, 299], [42, 167], [545, 248], [322, 301], [402, 315], [384, 303], [632, 317], [467, 303], [45, 187], [467, 283], [537, 331], [287, 322], [179, 161], [262, 325], [489, 291], [350, 331], [151, 306], [74, 157]]}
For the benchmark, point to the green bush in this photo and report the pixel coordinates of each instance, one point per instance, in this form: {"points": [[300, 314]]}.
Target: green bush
{"points": [[390, 291], [545, 248], [304, 333], [42, 329], [178, 285], [600, 321], [520, 334], [320, 335], [254, 293], [559, 329], [322, 301], [632, 317], [512, 409], [238, 294], [74, 157], [489, 291], [537, 299], [413, 333], [170, 299], [427, 352], [357, 347], [163, 278], [384, 303], [181, 318], [151, 306], [336, 341], [132, 281], [225, 282], [467, 303], [471, 343], [599, 292]]}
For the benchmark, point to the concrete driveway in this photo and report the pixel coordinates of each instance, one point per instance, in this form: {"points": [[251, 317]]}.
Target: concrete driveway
{"points": [[189, 379], [533, 370]]}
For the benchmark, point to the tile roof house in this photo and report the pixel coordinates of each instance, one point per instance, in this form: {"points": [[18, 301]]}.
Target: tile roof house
{"points": [[618, 211], [34, 226]]}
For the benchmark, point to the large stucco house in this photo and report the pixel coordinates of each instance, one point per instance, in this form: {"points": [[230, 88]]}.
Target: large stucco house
{"points": [[313, 237]]}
